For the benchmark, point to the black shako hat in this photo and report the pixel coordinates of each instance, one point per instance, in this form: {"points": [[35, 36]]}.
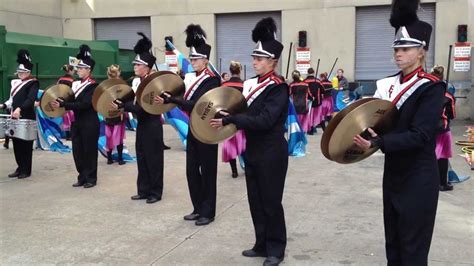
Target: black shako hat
{"points": [[264, 34], [410, 31], [142, 49], [85, 58], [24, 61], [196, 41]]}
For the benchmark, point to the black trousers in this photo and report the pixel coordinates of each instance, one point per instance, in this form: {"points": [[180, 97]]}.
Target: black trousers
{"points": [[85, 151], [149, 148], [23, 150], [201, 173], [265, 179], [443, 164], [409, 218]]}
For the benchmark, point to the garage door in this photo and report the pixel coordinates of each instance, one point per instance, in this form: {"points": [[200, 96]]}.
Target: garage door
{"points": [[234, 40], [374, 38], [122, 29]]}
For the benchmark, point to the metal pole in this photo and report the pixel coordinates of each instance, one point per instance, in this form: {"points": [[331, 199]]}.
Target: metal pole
{"points": [[449, 65], [317, 69], [330, 72], [289, 56], [245, 72]]}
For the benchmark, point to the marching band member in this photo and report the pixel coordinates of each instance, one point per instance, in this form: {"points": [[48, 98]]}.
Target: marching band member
{"points": [[444, 136], [315, 89], [411, 176], [266, 155], [85, 127], [327, 105], [149, 137], [233, 147], [68, 117], [201, 159], [114, 127], [299, 92], [21, 102]]}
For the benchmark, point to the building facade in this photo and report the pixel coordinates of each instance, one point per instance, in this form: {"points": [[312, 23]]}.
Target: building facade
{"points": [[356, 32]]}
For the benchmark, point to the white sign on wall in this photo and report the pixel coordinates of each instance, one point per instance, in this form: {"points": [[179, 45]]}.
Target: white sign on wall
{"points": [[303, 54], [462, 57], [462, 64], [302, 67]]}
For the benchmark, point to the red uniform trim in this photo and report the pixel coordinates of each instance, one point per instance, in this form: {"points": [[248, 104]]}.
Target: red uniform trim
{"points": [[411, 75], [232, 84], [395, 101], [264, 77], [433, 78]]}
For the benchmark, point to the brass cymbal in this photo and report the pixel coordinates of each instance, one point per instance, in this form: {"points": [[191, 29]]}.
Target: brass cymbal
{"points": [[52, 93], [108, 91], [327, 133], [156, 84], [226, 99], [378, 114]]}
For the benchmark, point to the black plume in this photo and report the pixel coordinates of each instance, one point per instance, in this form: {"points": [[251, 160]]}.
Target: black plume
{"points": [[84, 52], [143, 45], [264, 30], [196, 36], [23, 57], [404, 12]]}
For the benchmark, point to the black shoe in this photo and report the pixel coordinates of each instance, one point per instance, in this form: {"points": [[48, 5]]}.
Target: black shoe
{"points": [[89, 185], [14, 174], [21, 176], [234, 175], [204, 221], [138, 197], [191, 217], [109, 158], [272, 261], [447, 187], [166, 147], [152, 200], [121, 162], [78, 184], [252, 253], [5, 145]]}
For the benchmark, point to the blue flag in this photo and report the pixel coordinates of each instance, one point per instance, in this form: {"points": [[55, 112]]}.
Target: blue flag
{"points": [[49, 131], [180, 122], [296, 136]]}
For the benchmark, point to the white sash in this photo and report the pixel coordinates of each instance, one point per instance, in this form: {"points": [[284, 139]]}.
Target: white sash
{"points": [[252, 89], [78, 87], [18, 87], [389, 88], [192, 83]]}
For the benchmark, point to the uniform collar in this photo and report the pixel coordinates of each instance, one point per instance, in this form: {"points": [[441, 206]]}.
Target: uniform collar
{"points": [[28, 78], [264, 77], [407, 77], [198, 73], [86, 79]]}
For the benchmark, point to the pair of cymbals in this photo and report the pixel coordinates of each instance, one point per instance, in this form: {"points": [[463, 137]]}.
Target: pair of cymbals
{"points": [[155, 85], [209, 105], [52, 93], [337, 141], [108, 91]]}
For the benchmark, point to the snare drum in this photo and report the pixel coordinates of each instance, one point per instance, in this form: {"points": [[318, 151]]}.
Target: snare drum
{"points": [[24, 129], [3, 125]]}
